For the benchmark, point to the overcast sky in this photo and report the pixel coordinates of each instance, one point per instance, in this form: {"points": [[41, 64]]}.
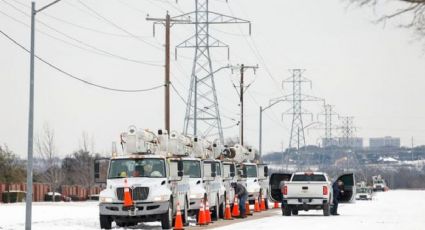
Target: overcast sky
{"points": [[368, 71]]}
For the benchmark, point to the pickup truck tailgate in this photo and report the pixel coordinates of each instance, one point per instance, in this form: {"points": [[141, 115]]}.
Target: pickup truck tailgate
{"points": [[305, 189]]}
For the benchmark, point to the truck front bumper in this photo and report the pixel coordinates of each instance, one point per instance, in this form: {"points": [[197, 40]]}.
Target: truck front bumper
{"points": [[253, 195], [195, 204], [138, 209]]}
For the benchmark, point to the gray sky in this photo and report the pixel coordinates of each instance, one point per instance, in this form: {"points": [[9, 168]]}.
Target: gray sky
{"points": [[372, 72]]}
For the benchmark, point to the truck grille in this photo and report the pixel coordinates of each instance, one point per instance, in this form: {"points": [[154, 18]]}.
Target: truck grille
{"points": [[138, 193]]}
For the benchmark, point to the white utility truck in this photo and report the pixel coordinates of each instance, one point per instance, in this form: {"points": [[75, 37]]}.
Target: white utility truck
{"points": [[307, 191], [378, 183], [152, 174], [247, 171], [211, 180]]}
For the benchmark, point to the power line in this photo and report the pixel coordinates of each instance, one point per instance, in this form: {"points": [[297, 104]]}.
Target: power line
{"points": [[118, 27], [77, 78], [78, 25], [98, 50]]}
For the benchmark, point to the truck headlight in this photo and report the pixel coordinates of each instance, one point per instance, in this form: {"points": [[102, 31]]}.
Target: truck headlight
{"points": [[196, 196], [105, 199], [161, 198]]}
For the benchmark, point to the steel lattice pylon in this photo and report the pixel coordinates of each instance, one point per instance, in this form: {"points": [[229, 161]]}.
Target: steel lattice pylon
{"points": [[296, 98], [202, 111]]}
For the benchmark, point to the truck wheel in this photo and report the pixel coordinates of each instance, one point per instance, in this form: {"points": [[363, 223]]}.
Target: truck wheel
{"points": [[186, 213], [286, 211], [222, 210], [105, 222], [294, 212], [167, 218], [326, 209], [266, 202], [216, 211]]}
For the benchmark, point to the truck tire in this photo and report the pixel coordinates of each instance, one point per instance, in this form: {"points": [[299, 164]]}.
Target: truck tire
{"points": [[266, 202], [186, 213], [216, 211], [295, 212], [286, 211], [167, 218], [105, 222], [222, 209], [326, 209]]}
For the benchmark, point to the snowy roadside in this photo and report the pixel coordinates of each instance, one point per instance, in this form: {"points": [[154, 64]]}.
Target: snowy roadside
{"points": [[393, 210], [399, 209]]}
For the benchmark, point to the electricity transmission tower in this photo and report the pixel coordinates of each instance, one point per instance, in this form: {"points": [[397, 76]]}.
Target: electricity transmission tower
{"points": [[297, 98], [328, 114], [347, 130], [202, 111]]}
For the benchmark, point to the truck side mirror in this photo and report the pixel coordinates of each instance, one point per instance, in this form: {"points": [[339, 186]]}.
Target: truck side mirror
{"points": [[232, 170], [96, 169], [241, 173], [180, 168], [266, 171], [100, 170], [213, 170]]}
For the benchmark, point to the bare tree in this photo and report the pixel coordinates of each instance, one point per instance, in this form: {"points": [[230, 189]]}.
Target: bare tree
{"points": [[413, 10], [46, 148], [11, 169]]}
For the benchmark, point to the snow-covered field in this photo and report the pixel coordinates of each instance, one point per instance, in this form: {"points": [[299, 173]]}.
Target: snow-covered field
{"points": [[398, 210], [393, 210]]}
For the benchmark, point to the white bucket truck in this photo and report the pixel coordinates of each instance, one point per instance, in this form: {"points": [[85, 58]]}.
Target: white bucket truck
{"points": [[152, 171], [247, 171]]}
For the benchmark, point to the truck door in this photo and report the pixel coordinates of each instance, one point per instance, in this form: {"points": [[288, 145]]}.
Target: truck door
{"points": [[275, 182], [349, 187]]}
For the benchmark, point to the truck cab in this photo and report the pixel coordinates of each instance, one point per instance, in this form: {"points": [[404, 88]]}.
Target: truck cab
{"points": [[229, 176], [248, 174], [142, 185], [213, 184], [263, 179]]}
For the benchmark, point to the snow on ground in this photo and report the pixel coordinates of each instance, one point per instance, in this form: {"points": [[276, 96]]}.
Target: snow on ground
{"points": [[393, 210], [399, 209]]}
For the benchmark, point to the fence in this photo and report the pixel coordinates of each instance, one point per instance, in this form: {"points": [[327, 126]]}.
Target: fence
{"points": [[76, 192]]}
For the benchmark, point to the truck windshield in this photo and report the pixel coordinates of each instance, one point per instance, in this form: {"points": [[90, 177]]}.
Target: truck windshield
{"points": [[303, 177], [121, 168], [192, 169], [251, 170]]}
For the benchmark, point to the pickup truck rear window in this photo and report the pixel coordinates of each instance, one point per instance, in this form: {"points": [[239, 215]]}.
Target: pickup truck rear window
{"points": [[300, 177]]}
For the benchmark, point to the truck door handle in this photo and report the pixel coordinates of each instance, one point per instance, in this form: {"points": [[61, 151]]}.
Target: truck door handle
{"points": [[305, 187]]}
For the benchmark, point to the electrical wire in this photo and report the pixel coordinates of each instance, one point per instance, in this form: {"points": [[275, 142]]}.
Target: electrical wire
{"points": [[77, 78], [117, 26], [78, 25], [93, 48]]}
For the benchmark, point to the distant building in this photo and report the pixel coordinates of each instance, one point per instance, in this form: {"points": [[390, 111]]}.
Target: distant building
{"points": [[326, 142], [384, 142], [353, 142]]}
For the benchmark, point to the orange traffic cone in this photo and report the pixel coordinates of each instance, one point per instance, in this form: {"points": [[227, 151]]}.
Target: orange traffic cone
{"points": [[207, 213], [127, 196], [179, 222], [276, 205], [263, 204], [227, 213], [247, 209], [201, 215], [256, 206], [235, 211]]}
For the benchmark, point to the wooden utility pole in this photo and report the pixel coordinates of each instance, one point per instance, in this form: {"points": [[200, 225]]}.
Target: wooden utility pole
{"points": [[167, 22], [242, 90]]}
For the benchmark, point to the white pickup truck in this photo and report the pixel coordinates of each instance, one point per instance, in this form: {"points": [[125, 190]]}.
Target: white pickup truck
{"points": [[307, 191]]}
